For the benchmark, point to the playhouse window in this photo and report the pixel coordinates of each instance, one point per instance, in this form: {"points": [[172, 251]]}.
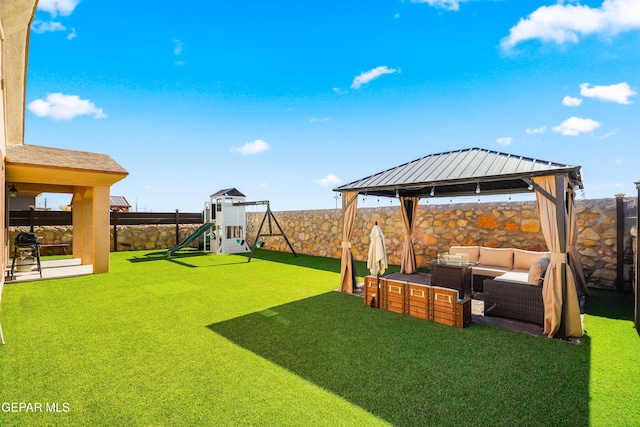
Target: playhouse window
{"points": [[234, 231]]}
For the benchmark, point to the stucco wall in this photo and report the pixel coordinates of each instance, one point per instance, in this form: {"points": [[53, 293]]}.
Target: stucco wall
{"points": [[495, 224]]}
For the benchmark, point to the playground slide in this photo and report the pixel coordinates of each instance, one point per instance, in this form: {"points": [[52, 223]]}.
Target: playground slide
{"points": [[191, 238]]}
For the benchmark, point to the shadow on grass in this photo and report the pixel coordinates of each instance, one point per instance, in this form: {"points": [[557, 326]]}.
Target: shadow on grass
{"points": [[610, 304], [176, 258], [181, 257], [413, 372]]}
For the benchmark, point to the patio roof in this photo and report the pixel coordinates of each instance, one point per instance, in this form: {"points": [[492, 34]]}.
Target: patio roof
{"points": [[459, 173], [51, 169]]}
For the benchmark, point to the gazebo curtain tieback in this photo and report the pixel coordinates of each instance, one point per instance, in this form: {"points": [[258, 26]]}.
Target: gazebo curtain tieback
{"points": [[559, 257], [346, 245]]}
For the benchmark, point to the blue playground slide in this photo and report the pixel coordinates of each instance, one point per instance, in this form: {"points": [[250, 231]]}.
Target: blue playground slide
{"points": [[191, 238]]}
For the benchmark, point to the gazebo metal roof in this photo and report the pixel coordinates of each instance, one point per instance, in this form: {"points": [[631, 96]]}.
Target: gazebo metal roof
{"points": [[459, 173]]}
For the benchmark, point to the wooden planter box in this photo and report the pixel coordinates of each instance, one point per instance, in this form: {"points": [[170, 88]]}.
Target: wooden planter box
{"points": [[434, 303], [447, 309], [418, 301], [393, 298], [370, 291]]}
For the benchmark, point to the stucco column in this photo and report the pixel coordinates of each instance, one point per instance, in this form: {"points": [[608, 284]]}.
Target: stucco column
{"points": [[77, 213], [101, 222], [91, 227], [4, 208]]}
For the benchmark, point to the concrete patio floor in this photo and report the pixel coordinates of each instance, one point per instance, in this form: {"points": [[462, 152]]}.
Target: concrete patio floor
{"points": [[51, 269]]}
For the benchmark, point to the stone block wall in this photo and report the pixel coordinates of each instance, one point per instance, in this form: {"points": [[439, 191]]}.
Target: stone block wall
{"points": [[130, 237], [438, 227], [151, 237], [47, 235]]}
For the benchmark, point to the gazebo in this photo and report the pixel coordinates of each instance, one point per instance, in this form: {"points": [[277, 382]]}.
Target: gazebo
{"points": [[480, 172]]}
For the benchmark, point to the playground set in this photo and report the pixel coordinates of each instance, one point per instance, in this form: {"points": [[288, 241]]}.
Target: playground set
{"points": [[225, 225]]}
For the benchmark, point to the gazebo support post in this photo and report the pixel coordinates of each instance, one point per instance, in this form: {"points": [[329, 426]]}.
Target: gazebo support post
{"points": [[349, 209], [561, 218]]}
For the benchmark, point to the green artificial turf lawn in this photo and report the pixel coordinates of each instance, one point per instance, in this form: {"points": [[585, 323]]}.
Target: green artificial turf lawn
{"points": [[214, 340]]}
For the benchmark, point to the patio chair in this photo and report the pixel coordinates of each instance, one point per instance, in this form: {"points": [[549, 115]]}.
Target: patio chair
{"points": [[28, 246]]}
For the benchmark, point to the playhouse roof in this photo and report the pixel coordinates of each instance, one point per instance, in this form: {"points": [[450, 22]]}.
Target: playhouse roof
{"points": [[232, 192]]}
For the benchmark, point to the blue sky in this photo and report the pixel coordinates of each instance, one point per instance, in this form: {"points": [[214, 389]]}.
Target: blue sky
{"points": [[285, 100]]}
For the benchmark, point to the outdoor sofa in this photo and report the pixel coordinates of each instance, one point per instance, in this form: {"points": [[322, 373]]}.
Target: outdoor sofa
{"points": [[510, 280], [519, 301]]}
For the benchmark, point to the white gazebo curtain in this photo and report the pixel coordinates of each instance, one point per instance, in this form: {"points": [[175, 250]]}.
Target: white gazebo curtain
{"points": [[409, 208], [559, 288], [349, 208]]}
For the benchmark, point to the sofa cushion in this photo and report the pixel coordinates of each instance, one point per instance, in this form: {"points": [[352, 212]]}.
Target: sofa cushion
{"points": [[515, 276], [472, 251], [538, 270], [496, 257], [524, 259], [488, 270]]}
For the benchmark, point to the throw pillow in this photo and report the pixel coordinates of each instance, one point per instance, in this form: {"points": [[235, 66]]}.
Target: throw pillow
{"points": [[538, 270]]}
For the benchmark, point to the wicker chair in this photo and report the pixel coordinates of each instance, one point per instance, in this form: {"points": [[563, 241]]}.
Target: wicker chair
{"points": [[519, 301]]}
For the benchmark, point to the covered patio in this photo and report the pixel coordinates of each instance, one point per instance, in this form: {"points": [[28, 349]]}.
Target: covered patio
{"points": [[481, 172], [86, 176]]}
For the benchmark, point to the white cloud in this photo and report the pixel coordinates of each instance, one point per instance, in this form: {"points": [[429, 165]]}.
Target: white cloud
{"points": [[40, 27], [397, 15], [261, 185], [64, 107], [328, 180], [619, 93], [178, 47], [367, 76], [443, 4], [574, 126], [562, 23], [58, 7], [536, 131], [254, 147], [609, 134], [318, 119], [571, 102], [507, 140]]}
